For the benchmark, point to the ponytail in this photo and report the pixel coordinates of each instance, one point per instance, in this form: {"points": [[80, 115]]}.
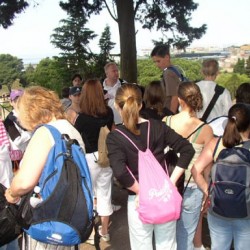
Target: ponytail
{"points": [[129, 100]]}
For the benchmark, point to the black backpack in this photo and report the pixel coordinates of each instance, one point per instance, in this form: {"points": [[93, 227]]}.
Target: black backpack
{"points": [[9, 228], [230, 184]]}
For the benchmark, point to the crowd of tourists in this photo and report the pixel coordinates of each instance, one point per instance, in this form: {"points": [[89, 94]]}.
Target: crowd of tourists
{"points": [[195, 121]]}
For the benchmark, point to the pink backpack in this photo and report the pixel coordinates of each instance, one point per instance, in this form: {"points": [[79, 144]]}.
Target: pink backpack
{"points": [[159, 199]]}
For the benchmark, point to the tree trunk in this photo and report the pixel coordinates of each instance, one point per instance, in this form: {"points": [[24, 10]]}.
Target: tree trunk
{"points": [[126, 24]]}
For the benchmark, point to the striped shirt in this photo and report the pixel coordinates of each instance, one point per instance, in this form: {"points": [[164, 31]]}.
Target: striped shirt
{"points": [[4, 140]]}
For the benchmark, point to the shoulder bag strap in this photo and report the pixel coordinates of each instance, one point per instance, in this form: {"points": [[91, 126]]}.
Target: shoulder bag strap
{"points": [[195, 139], [218, 91], [122, 133]]}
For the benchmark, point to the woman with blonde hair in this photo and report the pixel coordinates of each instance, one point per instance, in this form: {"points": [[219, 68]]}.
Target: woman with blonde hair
{"points": [[124, 161], [38, 106]]}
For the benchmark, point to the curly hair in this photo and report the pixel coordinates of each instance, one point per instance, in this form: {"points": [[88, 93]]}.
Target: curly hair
{"points": [[38, 106], [190, 93]]}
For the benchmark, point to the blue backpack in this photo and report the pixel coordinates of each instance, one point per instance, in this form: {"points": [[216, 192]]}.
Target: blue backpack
{"points": [[230, 184], [65, 215]]}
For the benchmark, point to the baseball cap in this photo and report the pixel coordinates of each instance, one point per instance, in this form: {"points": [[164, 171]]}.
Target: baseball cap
{"points": [[75, 90], [15, 93]]}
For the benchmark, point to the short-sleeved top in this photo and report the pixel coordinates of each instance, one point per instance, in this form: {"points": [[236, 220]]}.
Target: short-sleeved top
{"points": [[222, 105], [170, 82], [89, 128], [122, 153]]}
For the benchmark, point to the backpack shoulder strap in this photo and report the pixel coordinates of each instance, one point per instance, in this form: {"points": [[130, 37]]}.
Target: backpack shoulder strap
{"points": [[246, 144], [54, 131], [176, 71], [217, 149], [122, 133], [218, 90]]}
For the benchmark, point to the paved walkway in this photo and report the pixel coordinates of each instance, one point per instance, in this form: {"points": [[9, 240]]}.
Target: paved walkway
{"points": [[119, 227]]}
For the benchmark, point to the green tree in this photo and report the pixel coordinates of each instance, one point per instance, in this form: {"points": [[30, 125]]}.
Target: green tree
{"points": [[148, 72], [248, 67], [232, 81], [168, 16], [10, 70], [73, 39], [239, 67], [48, 74], [29, 74], [9, 9], [106, 45]]}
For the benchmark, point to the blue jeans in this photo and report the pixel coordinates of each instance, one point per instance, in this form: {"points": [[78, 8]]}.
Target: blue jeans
{"points": [[223, 231], [187, 224], [141, 235], [13, 245]]}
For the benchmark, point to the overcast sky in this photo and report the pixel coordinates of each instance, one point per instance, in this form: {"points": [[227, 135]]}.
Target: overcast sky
{"points": [[29, 37]]}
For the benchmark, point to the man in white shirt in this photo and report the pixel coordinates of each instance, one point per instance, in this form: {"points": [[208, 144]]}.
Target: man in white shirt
{"points": [[210, 70], [111, 83]]}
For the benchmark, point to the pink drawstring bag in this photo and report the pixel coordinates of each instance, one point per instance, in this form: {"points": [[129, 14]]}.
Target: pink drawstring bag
{"points": [[159, 199]]}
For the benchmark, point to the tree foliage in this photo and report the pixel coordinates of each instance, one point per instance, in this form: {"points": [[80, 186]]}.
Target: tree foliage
{"points": [[232, 81], [239, 67], [172, 17], [9, 9], [148, 72], [248, 67], [72, 38], [49, 74], [106, 45], [11, 68]]}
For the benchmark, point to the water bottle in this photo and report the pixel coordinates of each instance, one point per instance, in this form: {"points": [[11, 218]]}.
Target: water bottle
{"points": [[36, 197]]}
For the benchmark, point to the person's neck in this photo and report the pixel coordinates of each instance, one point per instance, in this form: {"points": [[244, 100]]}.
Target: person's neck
{"points": [[110, 82], [210, 78], [187, 114]]}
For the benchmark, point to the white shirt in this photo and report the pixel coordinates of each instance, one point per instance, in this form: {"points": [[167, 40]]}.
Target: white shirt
{"points": [[66, 127], [111, 96], [222, 105]]}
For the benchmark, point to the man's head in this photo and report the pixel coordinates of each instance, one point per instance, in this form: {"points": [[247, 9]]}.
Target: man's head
{"points": [[161, 56], [74, 94], [77, 80], [112, 73], [210, 68]]}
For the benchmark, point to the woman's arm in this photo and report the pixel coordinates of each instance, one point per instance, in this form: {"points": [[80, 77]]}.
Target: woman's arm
{"points": [[204, 160], [32, 164], [176, 174]]}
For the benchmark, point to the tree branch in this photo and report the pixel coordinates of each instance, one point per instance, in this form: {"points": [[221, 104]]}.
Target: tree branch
{"points": [[111, 14], [137, 6]]}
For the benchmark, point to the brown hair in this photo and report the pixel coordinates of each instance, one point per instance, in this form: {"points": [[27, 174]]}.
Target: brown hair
{"points": [[38, 106], [92, 99], [129, 99], [238, 122], [154, 96], [190, 93], [243, 93], [210, 67]]}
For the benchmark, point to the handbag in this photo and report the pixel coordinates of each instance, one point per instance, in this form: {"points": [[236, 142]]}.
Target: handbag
{"points": [[9, 227]]}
